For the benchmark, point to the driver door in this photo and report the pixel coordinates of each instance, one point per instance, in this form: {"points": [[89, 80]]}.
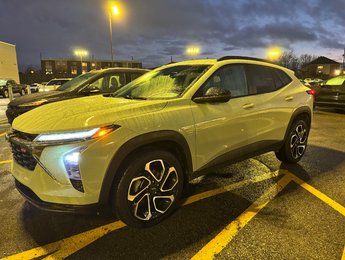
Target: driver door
{"points": [[222, 128]]}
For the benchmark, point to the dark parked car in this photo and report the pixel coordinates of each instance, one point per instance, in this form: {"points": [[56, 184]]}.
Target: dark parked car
{"points": [[16, 88], [105, 81], [332, 94]]}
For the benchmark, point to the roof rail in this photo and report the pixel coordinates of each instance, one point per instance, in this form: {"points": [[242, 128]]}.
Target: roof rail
{"points": [[243, 58]]}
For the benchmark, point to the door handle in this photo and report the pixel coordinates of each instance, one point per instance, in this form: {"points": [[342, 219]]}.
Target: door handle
{"points": [[289, 98], [248, 106]]}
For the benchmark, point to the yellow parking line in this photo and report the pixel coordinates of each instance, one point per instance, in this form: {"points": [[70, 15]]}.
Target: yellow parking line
{"points": [[343, 257], [217, 244], [232, 186], [2, 134], [65, 247], [335, 205], [6, 161], [68, 246]]}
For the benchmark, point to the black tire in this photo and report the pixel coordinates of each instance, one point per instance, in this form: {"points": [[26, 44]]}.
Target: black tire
{"points": [[22, 92], [295, 143], [149, 188]]}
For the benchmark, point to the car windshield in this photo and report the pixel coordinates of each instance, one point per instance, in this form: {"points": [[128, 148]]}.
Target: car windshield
{"points": [[163, 83], [2, 82], [76, 82]]}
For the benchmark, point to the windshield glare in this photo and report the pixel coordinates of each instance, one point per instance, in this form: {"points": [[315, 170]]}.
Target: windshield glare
{"points": [[166, 83], [2, 82], [75, 82]]}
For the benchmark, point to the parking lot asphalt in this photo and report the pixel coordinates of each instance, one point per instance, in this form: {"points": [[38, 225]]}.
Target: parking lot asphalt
{"points": [[254, 209]]}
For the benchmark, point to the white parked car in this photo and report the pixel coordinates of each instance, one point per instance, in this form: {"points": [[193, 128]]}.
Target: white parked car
{"points": [[55, 83]]}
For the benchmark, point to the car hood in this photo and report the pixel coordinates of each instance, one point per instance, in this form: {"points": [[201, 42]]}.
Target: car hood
{"points": [[50, 96], [82, 113]]}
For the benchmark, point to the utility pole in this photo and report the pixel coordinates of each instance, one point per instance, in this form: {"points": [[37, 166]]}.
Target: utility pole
{"points": [[344, 62]]}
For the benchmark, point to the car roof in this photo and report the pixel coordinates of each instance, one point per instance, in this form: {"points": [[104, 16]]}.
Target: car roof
{"points": [[61, 79], [230, 59], [121, 69]]}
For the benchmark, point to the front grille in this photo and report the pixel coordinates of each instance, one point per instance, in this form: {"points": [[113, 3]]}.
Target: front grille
{"points": [[23, 156]]}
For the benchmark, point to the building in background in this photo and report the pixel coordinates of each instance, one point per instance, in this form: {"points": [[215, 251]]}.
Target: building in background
{"points": [[8, 61], [322, 67], [69, 68]]}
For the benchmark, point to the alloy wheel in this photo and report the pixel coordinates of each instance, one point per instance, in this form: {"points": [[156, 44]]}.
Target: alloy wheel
{"points": [[152, 192], [298, 141]]}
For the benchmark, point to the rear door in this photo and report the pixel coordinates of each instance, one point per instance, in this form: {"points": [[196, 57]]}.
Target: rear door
{"points": [[274, 104]]}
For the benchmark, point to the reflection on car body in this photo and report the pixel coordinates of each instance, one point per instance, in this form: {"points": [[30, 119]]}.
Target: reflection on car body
{"points": [[95, 82]]}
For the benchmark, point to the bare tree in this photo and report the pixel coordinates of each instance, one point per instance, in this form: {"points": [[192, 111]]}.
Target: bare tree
{"points": [[304, 59], [289, 60]]}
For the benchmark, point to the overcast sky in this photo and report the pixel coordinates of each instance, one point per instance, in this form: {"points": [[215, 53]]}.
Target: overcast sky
{"points": [[154, 30]]}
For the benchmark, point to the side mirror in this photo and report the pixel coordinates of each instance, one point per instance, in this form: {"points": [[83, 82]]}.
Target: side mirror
{"points": [[214, 95], [90, 90]]}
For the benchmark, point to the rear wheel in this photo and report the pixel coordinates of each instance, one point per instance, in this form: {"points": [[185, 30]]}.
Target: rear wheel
{"points": [[295, 143], [149, 188]]}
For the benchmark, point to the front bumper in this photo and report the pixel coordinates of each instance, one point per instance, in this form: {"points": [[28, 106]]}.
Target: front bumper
{"points": [[47, 182], [31, 197]]}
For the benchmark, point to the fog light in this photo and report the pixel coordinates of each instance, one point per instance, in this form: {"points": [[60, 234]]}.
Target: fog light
{"points": [[71, 162]]}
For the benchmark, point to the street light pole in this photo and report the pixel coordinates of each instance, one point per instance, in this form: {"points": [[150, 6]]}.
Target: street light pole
{"points": [[111, 39], [81, 53], [114, 10]]}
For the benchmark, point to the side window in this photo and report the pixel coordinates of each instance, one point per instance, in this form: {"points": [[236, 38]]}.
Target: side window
{"points": [[261, 79], [284, 78], [230, 77], [133, 76], [97, 84], [109, 83], [114, 82]]}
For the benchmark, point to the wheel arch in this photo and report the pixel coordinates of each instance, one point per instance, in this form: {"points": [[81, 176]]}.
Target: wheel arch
{"points": [[302, 112], [171, 141]]}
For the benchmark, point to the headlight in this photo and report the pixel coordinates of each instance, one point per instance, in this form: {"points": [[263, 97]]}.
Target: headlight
{"points": [[77, 136], [34, 103], [71, 162], [1, 87]]}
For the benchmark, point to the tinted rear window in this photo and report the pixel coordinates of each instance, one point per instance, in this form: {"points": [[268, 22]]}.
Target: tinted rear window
{"points": [[263, 79]]}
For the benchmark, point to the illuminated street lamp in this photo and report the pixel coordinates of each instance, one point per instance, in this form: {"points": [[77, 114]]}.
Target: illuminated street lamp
{"points": [[113, 10], [193, 50], [81, 53], [274, 53]]}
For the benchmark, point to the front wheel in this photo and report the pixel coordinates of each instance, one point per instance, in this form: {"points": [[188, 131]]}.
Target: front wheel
{"points": [[295, 143], [149, 188], [22, 92]]}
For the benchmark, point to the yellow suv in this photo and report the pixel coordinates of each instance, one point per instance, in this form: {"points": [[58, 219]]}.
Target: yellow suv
{"points": [[136, 151]]}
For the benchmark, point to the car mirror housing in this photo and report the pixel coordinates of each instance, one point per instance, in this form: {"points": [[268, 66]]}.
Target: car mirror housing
{"points": [[214, 95], [91, 90]]}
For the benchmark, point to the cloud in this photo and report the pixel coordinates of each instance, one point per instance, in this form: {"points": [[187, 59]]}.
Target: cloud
{"points": [[154, 30]]}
